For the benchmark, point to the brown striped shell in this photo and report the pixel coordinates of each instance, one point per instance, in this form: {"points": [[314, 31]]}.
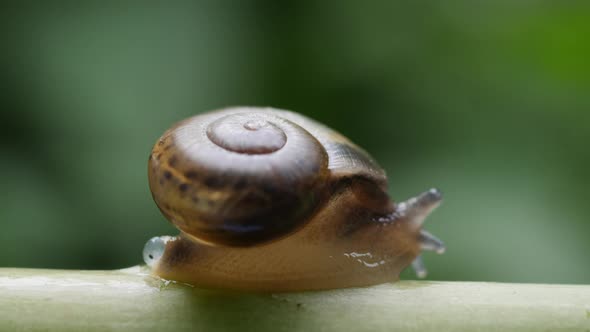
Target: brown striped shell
{"points": [[244, 176]]}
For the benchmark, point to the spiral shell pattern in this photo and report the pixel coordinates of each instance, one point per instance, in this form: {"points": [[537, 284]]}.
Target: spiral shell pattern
{"points": [[238, 177]]}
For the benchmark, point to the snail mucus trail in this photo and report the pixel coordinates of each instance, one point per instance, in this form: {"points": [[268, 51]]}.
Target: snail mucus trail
{"points": [[270, 200]]}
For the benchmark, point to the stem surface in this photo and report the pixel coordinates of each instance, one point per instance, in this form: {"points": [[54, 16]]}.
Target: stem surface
{"points": [[132, 300]]}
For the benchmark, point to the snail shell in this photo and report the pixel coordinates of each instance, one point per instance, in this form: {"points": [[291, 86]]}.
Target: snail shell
{"points": [[268, 199]]}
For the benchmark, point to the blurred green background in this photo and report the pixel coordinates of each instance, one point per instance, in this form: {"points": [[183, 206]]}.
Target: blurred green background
{"points": [[488, 101]]}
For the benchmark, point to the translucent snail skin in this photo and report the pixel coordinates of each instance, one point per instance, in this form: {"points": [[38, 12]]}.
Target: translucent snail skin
{"points": [[270, 200]]}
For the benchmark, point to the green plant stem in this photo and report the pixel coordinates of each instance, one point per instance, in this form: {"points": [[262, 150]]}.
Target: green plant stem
{"points": [[132, 300]]}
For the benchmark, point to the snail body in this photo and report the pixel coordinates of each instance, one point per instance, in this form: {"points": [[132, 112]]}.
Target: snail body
{"points": [[270, 200]]}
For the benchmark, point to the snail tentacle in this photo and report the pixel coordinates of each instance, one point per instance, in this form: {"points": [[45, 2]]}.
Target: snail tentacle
{"points": [[419, 267], [416, 209], [429, 242]]}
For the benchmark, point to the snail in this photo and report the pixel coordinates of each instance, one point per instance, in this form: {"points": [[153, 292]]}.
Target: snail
{"points": [[270, 200]]}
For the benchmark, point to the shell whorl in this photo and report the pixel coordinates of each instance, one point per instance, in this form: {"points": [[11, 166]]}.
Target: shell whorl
{"points": [[247, 134], [238, 177]]}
